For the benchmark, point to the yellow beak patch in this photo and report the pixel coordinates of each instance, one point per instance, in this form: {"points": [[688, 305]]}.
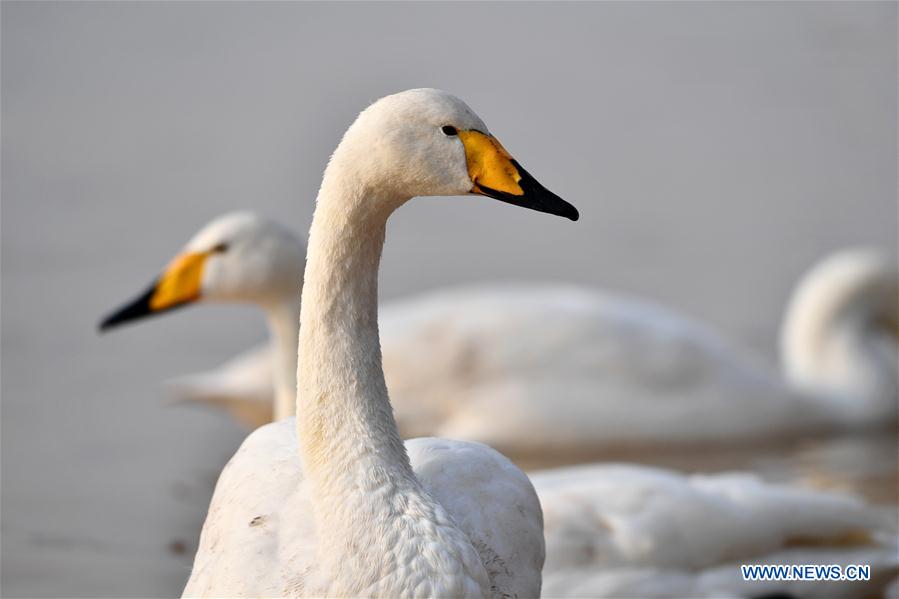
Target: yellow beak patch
{"points": [[489, 164], [180, 283]]}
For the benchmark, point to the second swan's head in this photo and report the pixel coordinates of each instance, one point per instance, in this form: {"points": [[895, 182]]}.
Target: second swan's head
{"points": [[427, 142], [238, 257]]}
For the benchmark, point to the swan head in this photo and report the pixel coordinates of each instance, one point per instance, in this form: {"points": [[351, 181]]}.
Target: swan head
{"points": [[840, 335], [427, 142], [238, 257]]}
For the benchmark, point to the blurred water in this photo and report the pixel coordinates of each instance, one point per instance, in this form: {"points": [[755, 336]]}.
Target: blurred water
{"points": [[714, 150]]}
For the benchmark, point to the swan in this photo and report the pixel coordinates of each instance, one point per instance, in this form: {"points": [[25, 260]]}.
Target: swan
{"points": [[576, 369], [356, 512], [619, 530], [244, 258]]}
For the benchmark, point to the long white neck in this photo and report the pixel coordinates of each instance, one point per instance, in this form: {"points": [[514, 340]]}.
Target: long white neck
{"points": [[283, 318], [342, 395], [362, 486], [838, 340]]}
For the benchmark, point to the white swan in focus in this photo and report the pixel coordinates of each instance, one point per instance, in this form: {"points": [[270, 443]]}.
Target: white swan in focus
{"points": [[348, 514], [618, 530], [572, 368]]}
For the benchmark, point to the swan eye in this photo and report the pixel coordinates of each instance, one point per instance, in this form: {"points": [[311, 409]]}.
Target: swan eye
{"points": [[449, 130], [220, 248]]}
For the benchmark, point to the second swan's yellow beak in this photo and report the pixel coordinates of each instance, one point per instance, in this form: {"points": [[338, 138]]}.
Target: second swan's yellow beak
{"points": [[494, 173], [179, 285], [180, 282]]}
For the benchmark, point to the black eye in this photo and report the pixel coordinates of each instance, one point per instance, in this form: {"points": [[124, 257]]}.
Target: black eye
{"points": [[220, 248], [449, 130]]}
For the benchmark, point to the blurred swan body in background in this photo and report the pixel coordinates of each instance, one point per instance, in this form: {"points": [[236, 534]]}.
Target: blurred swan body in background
{"points": [[575, 368], [618, 530], [330, 503], [569, 368]]}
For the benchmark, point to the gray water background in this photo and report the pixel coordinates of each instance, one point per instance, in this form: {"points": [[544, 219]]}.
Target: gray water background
{"points": [[715, 150]]}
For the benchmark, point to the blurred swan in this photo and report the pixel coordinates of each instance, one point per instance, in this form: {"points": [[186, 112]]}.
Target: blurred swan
{"points": [[571, 369], [617, 530], [333, 503], [239, 257]]}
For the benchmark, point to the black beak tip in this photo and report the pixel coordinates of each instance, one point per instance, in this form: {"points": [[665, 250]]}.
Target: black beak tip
{"points": [[117, 318], [136, 309], [536, 197], [110, 321], [553, 204]]}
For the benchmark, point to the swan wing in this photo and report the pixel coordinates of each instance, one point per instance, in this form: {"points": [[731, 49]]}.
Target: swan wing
{"points": [[493, 502], [259, 537]]}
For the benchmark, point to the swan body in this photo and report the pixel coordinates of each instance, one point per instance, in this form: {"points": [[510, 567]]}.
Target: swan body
{"points": [[345, 510], [573, 369], [618, 530], [266, 514]]}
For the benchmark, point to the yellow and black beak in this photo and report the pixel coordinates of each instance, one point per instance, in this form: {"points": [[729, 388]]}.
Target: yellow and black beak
{"points": [[178, 286], [496, 174]]}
